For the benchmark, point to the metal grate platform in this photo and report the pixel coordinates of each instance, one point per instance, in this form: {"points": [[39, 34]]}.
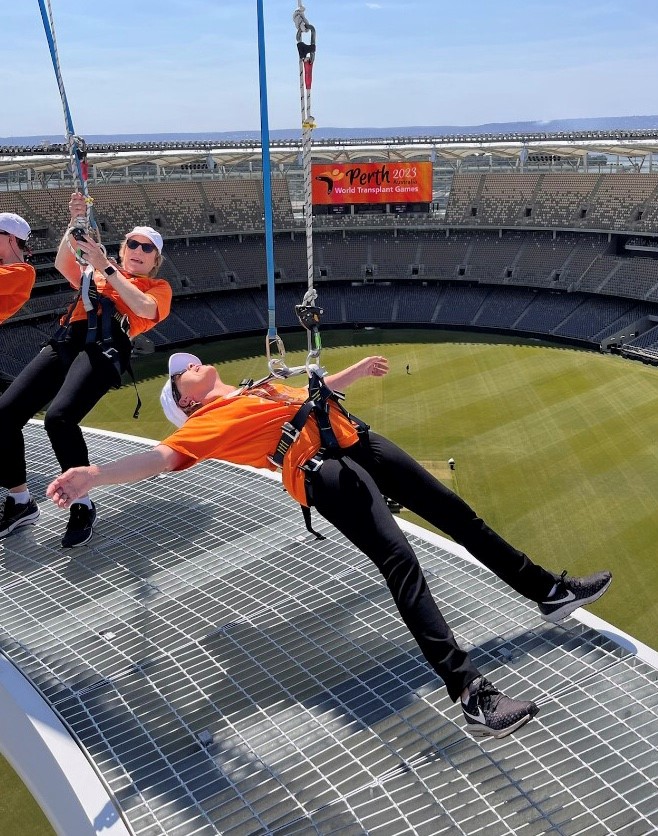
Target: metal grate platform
{"points": [[229, 674]]}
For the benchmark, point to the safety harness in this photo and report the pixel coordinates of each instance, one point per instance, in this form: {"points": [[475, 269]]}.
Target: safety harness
{"points": [[317, 405], [99, 328]]}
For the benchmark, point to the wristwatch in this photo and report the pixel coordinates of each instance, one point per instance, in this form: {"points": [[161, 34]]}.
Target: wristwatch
{"points": [[110, 270]]}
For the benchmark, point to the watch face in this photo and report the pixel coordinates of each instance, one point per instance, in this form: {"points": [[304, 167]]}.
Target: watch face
{"points": [[109, 271]]}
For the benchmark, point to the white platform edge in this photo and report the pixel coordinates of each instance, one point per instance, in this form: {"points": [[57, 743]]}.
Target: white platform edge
{"points": [[57, 773]]}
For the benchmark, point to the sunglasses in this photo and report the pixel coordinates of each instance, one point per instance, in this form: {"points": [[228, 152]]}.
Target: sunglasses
{"points": [[135, 245]]}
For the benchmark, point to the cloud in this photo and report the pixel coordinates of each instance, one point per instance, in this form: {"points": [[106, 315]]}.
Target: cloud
{"points": [[374, 5]]}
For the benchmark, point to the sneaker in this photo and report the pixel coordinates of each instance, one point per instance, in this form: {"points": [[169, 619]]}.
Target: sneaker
{"points": [[488, 713], [17, 514], [80, 526], [572, 593]]}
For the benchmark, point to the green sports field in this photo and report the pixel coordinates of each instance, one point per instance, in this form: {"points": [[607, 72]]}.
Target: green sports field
{"points": [[556, 448]]}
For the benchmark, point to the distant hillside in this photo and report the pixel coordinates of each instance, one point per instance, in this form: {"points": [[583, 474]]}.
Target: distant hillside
{"points": [[603, 123]]}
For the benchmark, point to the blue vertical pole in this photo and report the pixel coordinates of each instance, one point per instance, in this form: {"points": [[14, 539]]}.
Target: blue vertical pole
{"points": [[267, 174]]}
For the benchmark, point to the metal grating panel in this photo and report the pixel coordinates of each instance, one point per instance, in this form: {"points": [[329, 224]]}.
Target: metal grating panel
{"points": [[227, 674]]}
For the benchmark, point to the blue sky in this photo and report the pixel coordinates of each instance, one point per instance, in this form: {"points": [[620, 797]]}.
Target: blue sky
{"points": [[192, 65]]}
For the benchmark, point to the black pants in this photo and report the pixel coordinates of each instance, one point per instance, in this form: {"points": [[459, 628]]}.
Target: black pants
{"points": [[74, 376], [347, 491]]}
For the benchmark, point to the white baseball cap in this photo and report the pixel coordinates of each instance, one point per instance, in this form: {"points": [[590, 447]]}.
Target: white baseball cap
{"points": [[15, 225], [177, 364], [148, 232]]}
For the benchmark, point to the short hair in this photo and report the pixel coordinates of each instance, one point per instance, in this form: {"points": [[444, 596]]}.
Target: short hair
{"points": [[175, 391]]}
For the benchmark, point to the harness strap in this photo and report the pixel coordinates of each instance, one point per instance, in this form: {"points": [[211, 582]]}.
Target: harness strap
{"points": [[306, 513], [290, 433], [92, 312], [317, 403], [109, 314], [320, 395], [63, 331]]}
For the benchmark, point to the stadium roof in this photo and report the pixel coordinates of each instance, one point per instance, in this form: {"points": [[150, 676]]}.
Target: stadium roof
{"points": [[223, 672], [49, 158]]}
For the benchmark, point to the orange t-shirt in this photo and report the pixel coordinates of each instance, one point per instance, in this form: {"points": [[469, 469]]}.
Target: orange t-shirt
{"points": [[158, 289], [16, 283], [245, 428]]}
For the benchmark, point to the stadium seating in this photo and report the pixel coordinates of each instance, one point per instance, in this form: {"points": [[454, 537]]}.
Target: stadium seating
{"points": [[619, 201], [503, 309], [532, 253]]}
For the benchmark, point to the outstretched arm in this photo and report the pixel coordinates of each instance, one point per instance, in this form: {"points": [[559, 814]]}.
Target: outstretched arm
{"points": [[368, 367], [78, 481]]}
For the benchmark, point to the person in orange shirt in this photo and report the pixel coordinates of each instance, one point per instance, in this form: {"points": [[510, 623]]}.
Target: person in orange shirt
{"points": [[345, 474], [16, 277], [83, 360]]}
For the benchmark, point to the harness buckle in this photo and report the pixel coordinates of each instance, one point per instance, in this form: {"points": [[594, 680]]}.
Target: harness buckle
{"points": [[290, 433], [123, 322], [111, 353], [314, 463]]}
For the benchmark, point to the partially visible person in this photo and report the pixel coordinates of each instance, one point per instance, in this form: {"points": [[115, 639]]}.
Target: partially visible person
{"points": [[83, 360], [16, 276], [335, 463]]}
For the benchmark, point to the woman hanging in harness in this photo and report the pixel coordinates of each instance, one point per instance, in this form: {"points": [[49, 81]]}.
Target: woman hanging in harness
{"points": [[345, 473], [84, 360]]}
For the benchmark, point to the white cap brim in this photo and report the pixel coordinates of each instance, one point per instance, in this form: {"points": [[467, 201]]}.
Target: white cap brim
{"points": [[177, 363]]}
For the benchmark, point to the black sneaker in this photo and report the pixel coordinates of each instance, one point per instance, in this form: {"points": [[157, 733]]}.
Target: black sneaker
{"points": [[17, 514], [572, 593], [80, 526], [489, 713]]}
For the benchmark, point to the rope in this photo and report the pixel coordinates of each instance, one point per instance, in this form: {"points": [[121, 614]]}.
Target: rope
{"points": [[76, 146], [306, 52]]}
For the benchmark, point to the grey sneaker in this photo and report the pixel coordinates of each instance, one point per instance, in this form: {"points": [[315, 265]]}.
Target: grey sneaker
{"points": [[572, 593], [488, 713], [17, 514], [80, 526]]}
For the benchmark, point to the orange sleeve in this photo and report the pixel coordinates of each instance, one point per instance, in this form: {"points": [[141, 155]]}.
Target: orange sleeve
{"points": [[159, 290], [16, 283]]}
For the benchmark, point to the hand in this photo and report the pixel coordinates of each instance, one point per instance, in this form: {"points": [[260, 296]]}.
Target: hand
{"points": [[375, 366], [71, 485], [93, 252]]}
